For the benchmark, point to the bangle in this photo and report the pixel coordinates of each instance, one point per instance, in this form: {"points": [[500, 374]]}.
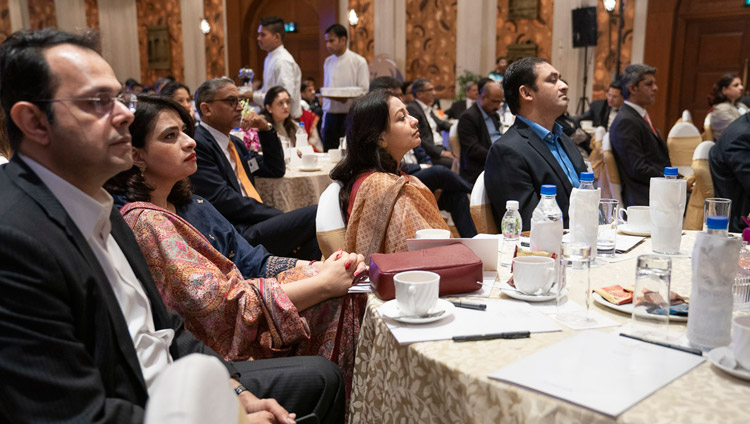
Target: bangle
{"points": [[312, 262], [239, 389]]}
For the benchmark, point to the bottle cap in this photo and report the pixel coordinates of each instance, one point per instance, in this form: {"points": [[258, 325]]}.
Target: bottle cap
{"points": [[670, 171], [549, 190], [717, 222], [302, 125], [587, 176], [511, 205]]}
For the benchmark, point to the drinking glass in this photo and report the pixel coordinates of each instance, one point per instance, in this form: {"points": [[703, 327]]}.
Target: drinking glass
{"points": [[716, 206], [651, 297], [575, 263], [286, 147], [606, 242]]}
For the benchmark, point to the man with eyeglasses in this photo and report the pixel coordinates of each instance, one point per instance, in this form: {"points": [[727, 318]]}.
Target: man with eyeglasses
{"points": [[226, 171], [84, 334], [430, 126]]}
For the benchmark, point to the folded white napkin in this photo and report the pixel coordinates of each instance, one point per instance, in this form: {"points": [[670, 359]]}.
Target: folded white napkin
{"points": [[667, 205], [584, 216]]}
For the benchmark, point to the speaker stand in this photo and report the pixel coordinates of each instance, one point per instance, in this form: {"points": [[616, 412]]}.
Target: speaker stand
{"points": [[584, 102]]}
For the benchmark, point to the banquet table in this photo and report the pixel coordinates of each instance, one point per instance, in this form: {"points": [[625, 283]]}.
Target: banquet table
{"points": [[297, 188], [446, 382]]}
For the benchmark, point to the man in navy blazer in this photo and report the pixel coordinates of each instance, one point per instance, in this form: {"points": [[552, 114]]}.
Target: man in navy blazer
{"points": [[474, 130], [534, 151], [429, 125], [83, 330], [602, 112], [290, 234]]}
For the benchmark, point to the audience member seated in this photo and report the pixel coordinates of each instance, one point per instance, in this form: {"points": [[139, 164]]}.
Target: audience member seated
{"points": [[84, 333], [534, 151], [579, 137], [180, 93], [639, 150], [430, 126], [478, 128], [501, 65], [132, 86], [276, 111], [241, 314], [729, 160], [458, 107], [453, 189], [226, 171], [383, 207], [311, 104], [725, 101], [602, 112]]}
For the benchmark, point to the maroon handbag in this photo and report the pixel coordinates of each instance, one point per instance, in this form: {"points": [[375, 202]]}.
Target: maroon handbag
{"points": [[459, 268]]}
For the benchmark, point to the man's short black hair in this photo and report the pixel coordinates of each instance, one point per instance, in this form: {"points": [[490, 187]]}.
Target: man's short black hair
{"points": [[633, 75], [25, 74], [386, 83], [274, 25], [482, 82], [337, 30], [521, 72], [616, 84], [418, 85]]}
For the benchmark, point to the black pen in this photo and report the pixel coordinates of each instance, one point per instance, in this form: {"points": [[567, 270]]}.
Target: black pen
{"points": [[492, 336], [669, 345], [469, 305]]}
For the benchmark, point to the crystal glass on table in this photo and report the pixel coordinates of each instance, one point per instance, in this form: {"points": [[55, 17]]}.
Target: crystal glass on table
{"points": [[716, 206], [607, 239], [651, 304], [575, 264]]}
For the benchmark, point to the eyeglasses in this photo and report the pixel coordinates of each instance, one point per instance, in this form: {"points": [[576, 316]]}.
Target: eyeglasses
{"points": [[426, 89], [103, 102], [232, 101]]}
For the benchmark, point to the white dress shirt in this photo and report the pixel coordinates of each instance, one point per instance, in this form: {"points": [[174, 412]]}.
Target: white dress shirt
{"points": [[640, 109], [91, 216], [223, 141], [279, 68], [347, 70], [437, 137]]}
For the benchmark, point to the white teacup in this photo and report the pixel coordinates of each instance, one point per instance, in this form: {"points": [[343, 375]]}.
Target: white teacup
{"points": [[433, 233], [334, 155], [416, 291], [533, 274], [741, 340], [638, 218], [310, 161]]}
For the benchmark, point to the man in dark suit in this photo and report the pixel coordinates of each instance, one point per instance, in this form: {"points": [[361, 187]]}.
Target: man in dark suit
{"points": [[638, 149], [83, 330], [602, 112], [729, 160], [471, 89], [534, 151], [478, 128], [231, 189], [429, 125]]}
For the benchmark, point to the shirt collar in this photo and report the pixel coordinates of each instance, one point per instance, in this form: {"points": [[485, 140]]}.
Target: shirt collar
{"points": [[221, 139], [277, 50], [640, 109], [543, 133], [425, 108], [90, 215]]}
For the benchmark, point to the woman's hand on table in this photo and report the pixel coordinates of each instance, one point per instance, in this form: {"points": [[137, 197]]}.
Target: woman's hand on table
{"points": [[339, 269]]}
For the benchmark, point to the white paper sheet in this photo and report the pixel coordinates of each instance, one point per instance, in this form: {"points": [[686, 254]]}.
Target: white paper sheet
{"points": [[625, 242], [500, 316], [599, 371]]}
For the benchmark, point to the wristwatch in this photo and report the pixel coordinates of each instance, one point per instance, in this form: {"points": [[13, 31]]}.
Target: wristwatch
{"points": [[239, 389]]}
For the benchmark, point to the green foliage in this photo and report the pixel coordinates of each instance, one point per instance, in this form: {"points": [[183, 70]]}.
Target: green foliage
{"points": [[462, 80]]}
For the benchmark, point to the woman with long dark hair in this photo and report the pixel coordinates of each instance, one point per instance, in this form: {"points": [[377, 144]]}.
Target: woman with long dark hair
{"points": [[276, 110], [725, 98], [383, 206]]}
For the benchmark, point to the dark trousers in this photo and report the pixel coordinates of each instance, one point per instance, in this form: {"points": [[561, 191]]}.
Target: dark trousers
{"points": [[291, 234], [301, 384], [455, 197], [333, 128]]}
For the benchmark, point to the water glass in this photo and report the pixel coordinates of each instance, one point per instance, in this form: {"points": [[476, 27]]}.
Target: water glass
{"points": [[575, 264], [607, 227], [651, 297], [716, 206]]}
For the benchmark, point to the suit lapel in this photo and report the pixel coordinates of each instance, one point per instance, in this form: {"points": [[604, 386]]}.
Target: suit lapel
{"points": [[541, 147], [485, 133], [221, 159]]}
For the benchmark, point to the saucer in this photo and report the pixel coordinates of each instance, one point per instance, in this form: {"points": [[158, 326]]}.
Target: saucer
{"points": [[716, 356], [625, 229], [391, 310], [309, 169], [516, 294], [627, 308]]}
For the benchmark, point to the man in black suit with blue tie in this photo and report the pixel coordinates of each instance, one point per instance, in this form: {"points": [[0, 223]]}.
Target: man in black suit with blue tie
{"points": [[84, 334]]}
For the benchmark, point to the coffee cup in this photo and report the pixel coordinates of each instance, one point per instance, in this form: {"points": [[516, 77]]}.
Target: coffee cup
{"points": [[741, 340], [309, 161], [433, 233], [334, 155], [416, 292], [637, 218], [533, 275]]}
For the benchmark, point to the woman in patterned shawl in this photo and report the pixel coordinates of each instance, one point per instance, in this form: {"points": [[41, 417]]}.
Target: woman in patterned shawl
{"points": [[304, 310], [383, 206]]}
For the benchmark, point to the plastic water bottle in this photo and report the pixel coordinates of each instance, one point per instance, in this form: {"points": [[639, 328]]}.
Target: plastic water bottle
{"points": [[584, 212], [587, 181], [717, 225], [301, 136], [547, 223], [670, 173], [511, 227]]}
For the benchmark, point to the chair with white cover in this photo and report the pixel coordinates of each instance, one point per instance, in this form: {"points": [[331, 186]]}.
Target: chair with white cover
{"points": [[703, 187], [708, 134], [610, 179], [455, 147], [330, 227], [481, 209], [595, 157], [685, 117], [682, 140]]}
